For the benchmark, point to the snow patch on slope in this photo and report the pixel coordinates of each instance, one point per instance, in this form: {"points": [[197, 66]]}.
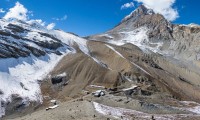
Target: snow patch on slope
{"points": [[21, 76], [139, 38], [195, 108], [126, 114], [190, 25], [114, 112], [70, 39]]}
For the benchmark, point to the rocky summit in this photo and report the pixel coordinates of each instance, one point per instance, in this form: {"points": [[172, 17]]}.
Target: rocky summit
{"points": [[144, 68]]}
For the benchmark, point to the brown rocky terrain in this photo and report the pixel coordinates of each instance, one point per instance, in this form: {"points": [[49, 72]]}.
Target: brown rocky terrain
{"points": [[145, 65]]}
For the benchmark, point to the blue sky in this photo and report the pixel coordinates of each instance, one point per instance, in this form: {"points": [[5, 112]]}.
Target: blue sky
{"points": [[87, 17]]}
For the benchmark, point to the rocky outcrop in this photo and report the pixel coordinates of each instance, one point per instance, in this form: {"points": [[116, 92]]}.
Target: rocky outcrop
{"points": [[21, 40]]}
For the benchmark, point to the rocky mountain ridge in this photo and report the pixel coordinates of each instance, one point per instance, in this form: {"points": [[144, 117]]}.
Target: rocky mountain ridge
{"points": [[20, 39], [145, 58]]}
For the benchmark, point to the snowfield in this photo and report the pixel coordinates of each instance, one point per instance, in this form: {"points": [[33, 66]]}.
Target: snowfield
{"points": [[21, 76], [70, 40], [128, 114], [137, 37], [125, 114]]}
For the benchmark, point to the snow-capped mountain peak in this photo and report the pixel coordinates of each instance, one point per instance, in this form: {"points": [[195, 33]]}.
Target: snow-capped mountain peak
{"points": [[141, 10]]}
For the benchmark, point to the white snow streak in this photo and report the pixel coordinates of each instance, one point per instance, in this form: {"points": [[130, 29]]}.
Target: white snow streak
{"points": [[97, 86], [125, 58], [115, 51], [130, 88], [125, 114], [141, 68]]}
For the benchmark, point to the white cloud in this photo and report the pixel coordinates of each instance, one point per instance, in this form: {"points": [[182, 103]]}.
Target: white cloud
{"points": [[21, 13], [51, 26], [164, 7], [127, 5], [2, 11], [17, 12], [61, 19]]}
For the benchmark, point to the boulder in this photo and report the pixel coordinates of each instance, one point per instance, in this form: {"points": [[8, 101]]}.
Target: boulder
{"points": [[59, 79], [99, 93]]}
